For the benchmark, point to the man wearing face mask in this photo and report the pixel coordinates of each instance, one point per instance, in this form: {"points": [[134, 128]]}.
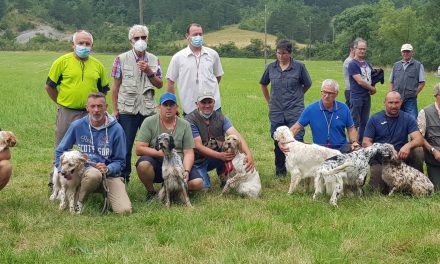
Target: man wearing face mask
{"points": [[136, 73], [208, 129], [71, 79], [195, 68]]}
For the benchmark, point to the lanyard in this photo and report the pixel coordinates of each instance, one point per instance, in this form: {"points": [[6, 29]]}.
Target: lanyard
{"points": [[329, 123]]}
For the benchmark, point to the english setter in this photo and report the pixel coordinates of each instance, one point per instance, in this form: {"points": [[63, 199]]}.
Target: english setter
{"points": [[7, 140], [302, 160], [401, 177], [172, 172], [67, 181], [344, 170], [244, 182]]}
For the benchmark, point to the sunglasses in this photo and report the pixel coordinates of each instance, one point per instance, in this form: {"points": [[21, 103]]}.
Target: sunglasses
{"points": [[141, 37]]}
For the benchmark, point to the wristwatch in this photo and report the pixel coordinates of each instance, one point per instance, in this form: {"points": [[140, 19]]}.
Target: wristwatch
{"points": [[432, 150]]}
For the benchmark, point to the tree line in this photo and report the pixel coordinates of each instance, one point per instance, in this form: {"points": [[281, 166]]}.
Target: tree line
{"points": [[326, 26]]}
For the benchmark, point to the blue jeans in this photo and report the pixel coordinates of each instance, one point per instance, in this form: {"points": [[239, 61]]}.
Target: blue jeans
{"points": [[280, 157], [206, 166], [130, 124], [360, 111], [410, 106]]}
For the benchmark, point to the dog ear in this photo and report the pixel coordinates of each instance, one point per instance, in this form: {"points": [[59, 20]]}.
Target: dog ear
{"points": [[84, 157], [172, 145], [61, 159], [156, 146]]}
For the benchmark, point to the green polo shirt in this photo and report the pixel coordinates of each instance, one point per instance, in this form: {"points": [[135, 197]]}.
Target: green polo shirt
{"points": [[76, 79]]}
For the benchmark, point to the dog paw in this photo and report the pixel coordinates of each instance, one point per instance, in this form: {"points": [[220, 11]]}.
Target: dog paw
{"points": [[62, 206], [52, 197], [78, 208]]}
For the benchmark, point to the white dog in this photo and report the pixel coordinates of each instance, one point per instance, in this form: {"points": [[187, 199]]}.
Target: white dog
{"points": [[245, 183], [302, 160], [67, 181]]}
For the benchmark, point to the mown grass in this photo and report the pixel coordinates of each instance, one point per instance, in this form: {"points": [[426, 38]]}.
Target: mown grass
{"points": [[277, 228]]}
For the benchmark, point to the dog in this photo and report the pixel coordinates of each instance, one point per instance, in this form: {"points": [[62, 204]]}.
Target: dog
{"points": [[302, 160], [401, 177], [7, 140], [174, 183], [244, 182], [67, 181], [341, 171]]}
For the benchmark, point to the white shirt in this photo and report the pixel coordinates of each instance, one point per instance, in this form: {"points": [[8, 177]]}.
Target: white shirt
{"points": [[185, 68]]}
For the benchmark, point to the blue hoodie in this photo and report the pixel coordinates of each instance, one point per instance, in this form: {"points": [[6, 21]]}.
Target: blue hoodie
{"points": [[93, 142]]}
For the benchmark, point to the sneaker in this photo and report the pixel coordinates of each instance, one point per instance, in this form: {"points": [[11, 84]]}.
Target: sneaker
{"points": [[151, 195]]}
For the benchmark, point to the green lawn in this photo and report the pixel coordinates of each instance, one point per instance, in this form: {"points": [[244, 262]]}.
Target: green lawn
{"points": [[278, 228]]}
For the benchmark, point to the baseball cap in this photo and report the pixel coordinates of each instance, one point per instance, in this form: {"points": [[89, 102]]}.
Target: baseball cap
{"points": [[167, 97], [406, 47], [205, 95]]}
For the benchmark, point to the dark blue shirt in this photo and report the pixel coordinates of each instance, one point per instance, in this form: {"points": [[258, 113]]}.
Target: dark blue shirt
{"points": [[328, 126], [287, 90], [364, 69], [393, 130]]}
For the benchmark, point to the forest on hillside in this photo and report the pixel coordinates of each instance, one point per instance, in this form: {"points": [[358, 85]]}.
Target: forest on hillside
{"points": [[327, 26]]}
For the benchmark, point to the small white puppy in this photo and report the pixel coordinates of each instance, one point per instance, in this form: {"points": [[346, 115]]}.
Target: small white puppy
{"points": [[245, 183], [67, 181]]}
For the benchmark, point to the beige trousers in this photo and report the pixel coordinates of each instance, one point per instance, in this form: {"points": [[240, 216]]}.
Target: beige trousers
{"points": [[117, 195]]}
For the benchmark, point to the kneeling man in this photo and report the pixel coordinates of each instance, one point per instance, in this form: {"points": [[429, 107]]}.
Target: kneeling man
{"points": [[208, 130], [100, 136]]}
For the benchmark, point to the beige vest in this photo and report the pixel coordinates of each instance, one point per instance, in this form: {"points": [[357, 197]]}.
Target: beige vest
{"points": [[136, 94]]}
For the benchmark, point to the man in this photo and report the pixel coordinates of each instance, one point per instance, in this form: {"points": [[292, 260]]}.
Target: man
{"points": [[408, 78], [361, 89], [195, 68], [289, 81], [149, 164], [392, 126], [135, 75], [208, 130], [71, 79], [328, 120], [101, 137], [429, 122], [346, 74]]}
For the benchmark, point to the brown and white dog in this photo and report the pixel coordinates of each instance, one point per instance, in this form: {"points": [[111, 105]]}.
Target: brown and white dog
{"points": [[67, 181], [245, 183], [174, 183], [401, 177], [7, 140]]}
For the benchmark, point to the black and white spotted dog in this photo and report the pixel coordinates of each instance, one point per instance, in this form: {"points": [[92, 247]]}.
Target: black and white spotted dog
{"points": [[344, 170], [174, 184], [402, 177]]}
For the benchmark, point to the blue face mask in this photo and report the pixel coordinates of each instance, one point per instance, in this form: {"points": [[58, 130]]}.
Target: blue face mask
{"points": [[82, 51], [197, 41], [206, 116]]}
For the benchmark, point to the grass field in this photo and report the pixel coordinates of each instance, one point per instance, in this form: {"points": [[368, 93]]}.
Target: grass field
{"points": [[278, 228]]}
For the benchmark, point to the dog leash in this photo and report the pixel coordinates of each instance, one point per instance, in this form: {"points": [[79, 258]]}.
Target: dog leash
{"points": [[106, 205]]}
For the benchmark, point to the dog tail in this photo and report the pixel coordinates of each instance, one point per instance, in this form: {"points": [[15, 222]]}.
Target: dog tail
{"points": [[337, 169]]}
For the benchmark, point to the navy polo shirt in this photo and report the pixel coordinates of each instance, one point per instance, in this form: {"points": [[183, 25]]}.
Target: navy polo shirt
{"points": [[322, 120], [393, 130], [287, 90]]}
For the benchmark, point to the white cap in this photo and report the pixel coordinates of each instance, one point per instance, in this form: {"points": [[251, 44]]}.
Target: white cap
{"points": [[205, 94], [406, 47]]}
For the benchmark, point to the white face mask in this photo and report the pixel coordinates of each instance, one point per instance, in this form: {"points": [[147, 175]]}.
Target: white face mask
{"points": [[140, 45]]}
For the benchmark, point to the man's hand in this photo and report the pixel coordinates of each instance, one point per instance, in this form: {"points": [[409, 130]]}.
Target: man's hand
{"points": [[404, 152], [226, 156], [372, 91], [355, 146], [436, 154], [101, 167], [250, 166], [115, 113], [186, 175], [143, 66]]}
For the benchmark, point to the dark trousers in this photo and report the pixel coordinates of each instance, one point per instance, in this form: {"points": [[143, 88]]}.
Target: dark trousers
{"points": [[280, 157], [130, 124], [360, 111], [347, 98]]}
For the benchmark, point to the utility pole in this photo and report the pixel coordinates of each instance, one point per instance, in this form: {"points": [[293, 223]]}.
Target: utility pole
{"points": [[265, 34], [141, 13]]}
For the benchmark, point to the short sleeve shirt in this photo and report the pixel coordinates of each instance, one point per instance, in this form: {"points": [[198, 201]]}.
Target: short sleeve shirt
{"points": [[364, 69], [76, 79], [393, 130], [328, 126], [287, 90], [151, 129]]}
